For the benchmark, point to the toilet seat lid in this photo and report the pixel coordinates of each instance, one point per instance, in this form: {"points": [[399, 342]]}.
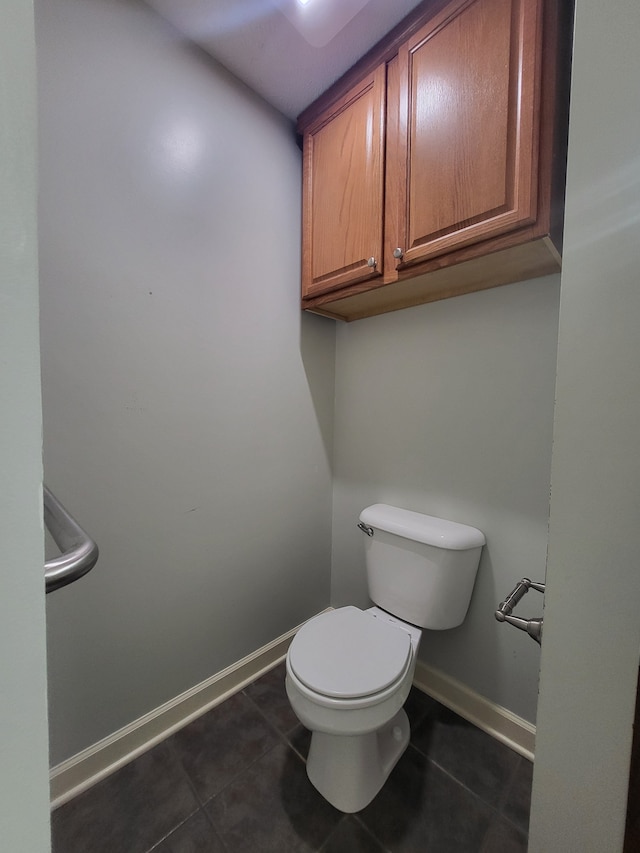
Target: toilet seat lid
{"points": [[348, 653]]}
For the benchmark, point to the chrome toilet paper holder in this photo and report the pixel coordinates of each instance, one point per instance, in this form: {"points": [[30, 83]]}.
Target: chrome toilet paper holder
{"points": [[533, 627]]}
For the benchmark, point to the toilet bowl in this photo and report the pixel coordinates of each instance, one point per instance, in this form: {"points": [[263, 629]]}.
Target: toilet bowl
{"points": [[349, 671]]}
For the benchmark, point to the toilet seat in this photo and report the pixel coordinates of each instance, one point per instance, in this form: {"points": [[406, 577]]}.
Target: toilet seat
{"points": [[348, 655]]}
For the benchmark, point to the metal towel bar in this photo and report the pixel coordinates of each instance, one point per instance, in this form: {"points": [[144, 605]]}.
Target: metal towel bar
{"points": [[79, 551]]}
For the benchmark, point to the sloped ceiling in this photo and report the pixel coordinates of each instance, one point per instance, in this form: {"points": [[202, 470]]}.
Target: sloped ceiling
{"points": [[255, 41]]}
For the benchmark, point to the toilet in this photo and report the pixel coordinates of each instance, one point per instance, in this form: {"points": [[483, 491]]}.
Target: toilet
{"points": [[349, 671]]}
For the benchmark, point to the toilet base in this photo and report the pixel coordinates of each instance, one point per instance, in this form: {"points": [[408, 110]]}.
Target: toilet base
{"points": [[349, 770]]}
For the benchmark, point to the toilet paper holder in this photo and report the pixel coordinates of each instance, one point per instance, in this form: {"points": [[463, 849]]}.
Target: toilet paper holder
{"points": [[533, 627]]}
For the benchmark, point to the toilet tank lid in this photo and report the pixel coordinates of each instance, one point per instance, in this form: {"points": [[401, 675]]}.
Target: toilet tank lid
{"points": [[427, 529]]}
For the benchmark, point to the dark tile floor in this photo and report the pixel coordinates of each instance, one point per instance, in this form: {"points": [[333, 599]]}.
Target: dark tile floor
{"points": [[234, 781]]}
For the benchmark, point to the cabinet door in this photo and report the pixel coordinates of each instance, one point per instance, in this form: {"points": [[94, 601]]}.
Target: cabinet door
{"points": [[343, 185], [468, 123]]}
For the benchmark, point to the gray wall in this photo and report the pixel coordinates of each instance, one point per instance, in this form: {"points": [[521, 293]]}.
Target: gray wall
{"points": [[188, 405], [24, 788], [592, 630], [447, 409]]}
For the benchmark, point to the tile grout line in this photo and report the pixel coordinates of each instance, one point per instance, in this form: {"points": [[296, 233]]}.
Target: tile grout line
{"points": [[369, 832], [203, 803], [185, 772], [495, 809], [506, 790], [187, 778], [333, 832], [505, 797], [284, 736], [216, 829], [156, 845]]}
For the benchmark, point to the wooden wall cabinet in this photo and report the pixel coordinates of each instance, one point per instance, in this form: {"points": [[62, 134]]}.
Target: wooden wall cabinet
{"points": [[343, 197], [435, 167]]}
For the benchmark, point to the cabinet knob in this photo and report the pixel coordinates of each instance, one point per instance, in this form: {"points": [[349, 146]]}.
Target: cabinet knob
{"points": [[371, 262], [398, 253]]}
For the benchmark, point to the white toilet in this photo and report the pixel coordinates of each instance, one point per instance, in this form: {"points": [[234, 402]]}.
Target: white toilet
{"points": [[349, 671]]}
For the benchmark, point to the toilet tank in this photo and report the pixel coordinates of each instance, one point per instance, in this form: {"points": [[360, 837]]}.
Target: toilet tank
{"points": [[420, 568]]}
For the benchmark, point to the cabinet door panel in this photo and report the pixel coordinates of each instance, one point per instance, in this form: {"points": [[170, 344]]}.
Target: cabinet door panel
{"points": [[469, 125], [343, 190]]}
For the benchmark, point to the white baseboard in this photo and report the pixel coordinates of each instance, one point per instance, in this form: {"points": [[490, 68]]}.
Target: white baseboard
{"points": [[98, 761], [497, 721], [95, 763]]}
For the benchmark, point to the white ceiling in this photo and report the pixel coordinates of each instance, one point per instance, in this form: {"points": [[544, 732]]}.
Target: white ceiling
{"points": [[255, 41]]}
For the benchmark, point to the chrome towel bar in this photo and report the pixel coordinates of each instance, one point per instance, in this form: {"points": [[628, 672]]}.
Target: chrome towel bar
{"points": [[79, 551], [533, 627]]}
